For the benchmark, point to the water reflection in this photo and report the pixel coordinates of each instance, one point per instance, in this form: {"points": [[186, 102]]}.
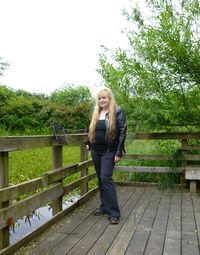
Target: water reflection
{"points": [[40, 216]]}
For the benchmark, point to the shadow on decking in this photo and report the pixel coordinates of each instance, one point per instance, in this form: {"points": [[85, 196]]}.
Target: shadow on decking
{"points": [[152, 222]]}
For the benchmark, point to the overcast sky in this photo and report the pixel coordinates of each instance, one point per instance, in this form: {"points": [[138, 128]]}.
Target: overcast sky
{"points": [[52, 42]]}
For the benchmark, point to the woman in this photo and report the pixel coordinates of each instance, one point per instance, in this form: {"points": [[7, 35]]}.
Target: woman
{"points": [[106, 137]]}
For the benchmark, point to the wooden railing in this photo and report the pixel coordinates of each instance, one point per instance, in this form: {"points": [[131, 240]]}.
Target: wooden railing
{"points": [[187, 170], [50, 187]]}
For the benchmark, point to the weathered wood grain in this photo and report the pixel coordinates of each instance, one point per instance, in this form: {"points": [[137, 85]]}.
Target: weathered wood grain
{"points": [[61, 173], [192, 173], [156, 240], [144, 226], [75, 184], [153, 222], [24, 207], [114, 237], [67, 245], [172, 245], [14, 191], [13, 143], [147, 169], [148, 156], [190, 242]]}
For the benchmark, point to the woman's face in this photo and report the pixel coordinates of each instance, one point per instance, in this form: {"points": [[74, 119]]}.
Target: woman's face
{"points": [[103, 101]]}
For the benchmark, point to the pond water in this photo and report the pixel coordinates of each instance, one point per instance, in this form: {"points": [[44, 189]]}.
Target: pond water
{"points": [[27, 225]]}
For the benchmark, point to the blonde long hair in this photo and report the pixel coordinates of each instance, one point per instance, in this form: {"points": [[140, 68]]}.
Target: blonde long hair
{"points": [[96, 112]]}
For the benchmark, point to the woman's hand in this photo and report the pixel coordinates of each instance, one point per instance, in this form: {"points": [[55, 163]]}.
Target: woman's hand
{"points": [[117, 159]]}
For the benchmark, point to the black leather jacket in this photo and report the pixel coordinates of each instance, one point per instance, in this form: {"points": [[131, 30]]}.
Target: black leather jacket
{"points": [[121, 127]]}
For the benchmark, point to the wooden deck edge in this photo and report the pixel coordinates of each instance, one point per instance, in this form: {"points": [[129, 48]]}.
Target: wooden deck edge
{"points": [[27, 238], [147, 184]]}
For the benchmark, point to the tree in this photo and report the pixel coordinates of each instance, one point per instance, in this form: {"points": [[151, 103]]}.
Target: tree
{"points": [[71, 95], [22, 112], [158, 77]]}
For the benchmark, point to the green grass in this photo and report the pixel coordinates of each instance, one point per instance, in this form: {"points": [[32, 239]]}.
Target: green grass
{"points": [[29, 164]]}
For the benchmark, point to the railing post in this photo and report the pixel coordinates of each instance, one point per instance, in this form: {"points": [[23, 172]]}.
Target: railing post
{"points": [[57, 163], [183, 161], [4, 233], [84, 172]]}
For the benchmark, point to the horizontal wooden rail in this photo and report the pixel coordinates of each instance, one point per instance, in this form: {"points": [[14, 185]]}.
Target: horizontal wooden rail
{"points": [[71, 186], [148, 156], [192, 157], [24, 207], [190, 147], [166, 136], [12, 143], [63, 172], [10, 193], [147, 169]]}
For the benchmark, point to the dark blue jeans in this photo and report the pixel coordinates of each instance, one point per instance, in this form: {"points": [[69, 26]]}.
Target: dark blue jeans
{"points": [[104, 165]]}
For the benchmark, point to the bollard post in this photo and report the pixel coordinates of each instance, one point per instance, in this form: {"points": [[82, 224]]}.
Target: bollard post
{"points": [[84, 172], [183, 161], [57, 163], [4, 233]]}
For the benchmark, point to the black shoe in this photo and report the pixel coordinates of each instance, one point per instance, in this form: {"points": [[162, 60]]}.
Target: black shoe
{"points": [[98, 212], [114, 220]]}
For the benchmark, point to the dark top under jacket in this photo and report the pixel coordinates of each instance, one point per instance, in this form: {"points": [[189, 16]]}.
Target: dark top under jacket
{"points": [[100, 143], [115, 144]]}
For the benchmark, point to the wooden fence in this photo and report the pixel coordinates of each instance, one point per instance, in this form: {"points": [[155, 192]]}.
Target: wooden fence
{"points": [[50, 187]]}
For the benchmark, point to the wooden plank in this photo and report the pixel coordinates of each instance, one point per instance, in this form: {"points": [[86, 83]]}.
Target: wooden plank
{"points": [[147, 169], [101, 228], [172, 244], [148, 156], [144, 226], [61, 173], [120, 244], [196, 207], [106, 238], [189, 147], [75, 184], [14, 191], [25, 207], [84, 171], [190, 243], [4, 179], [57, 152], [156, 240], [192, 173], [183, 162], [23, 142], [192, 157], [78, 233], [193, 186], [180, 135], [12, 143]]}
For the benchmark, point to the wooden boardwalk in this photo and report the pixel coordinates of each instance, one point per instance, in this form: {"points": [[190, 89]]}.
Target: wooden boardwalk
{"points": [[153, 222]]}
